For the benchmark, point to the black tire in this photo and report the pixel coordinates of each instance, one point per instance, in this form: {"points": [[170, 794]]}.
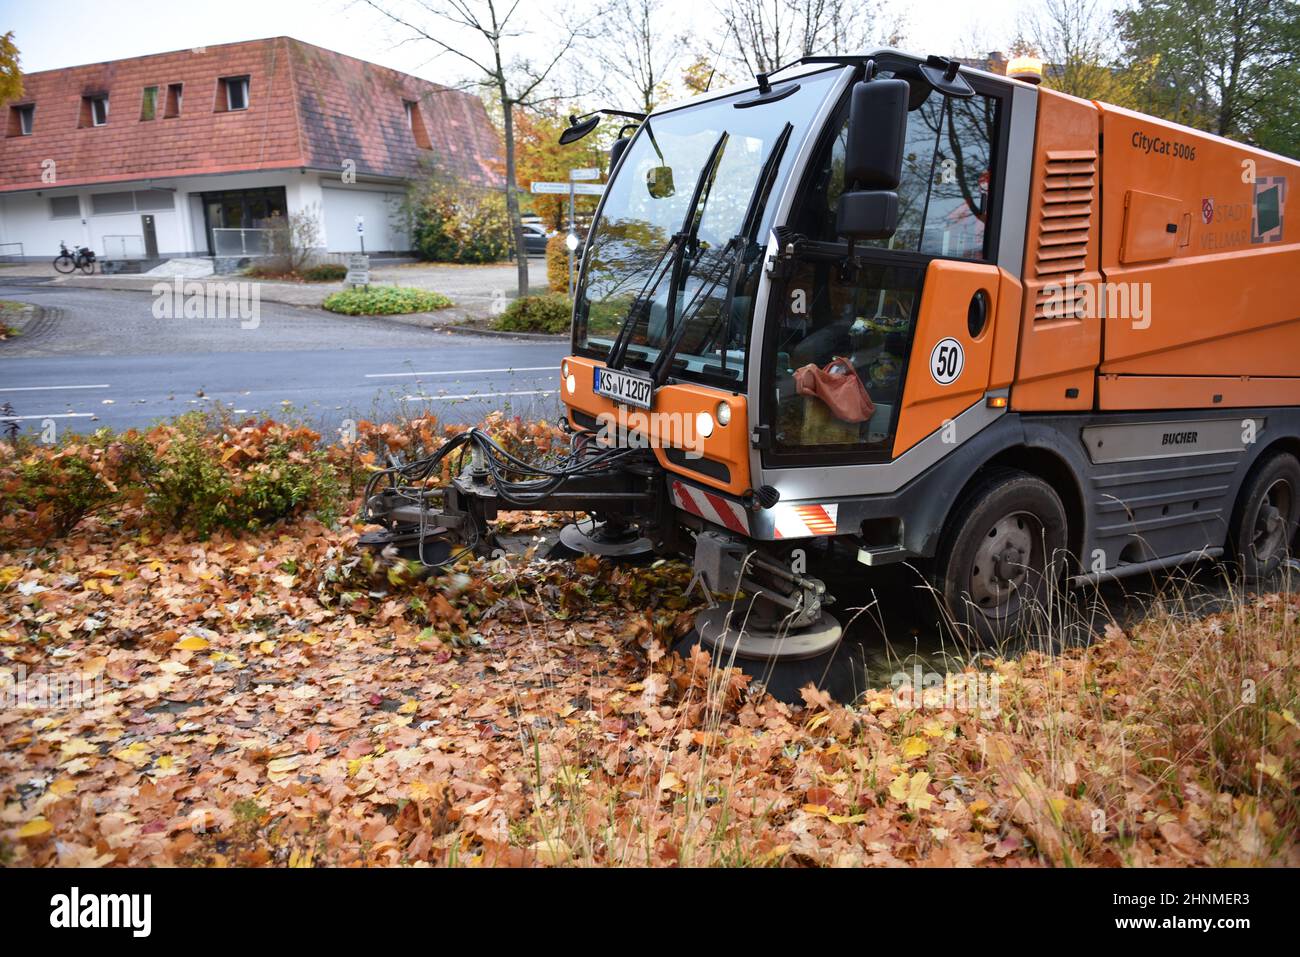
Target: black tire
{"points": [[1001, 556], [87, 266], [1264, 519], [64, 264]]}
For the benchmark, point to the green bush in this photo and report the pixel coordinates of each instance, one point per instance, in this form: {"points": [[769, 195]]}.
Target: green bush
{"points": [[385, 301], [460, 226], [549, 313], [264, 270], [325, 272], [204, 475], [198, 474], [48, 489]]}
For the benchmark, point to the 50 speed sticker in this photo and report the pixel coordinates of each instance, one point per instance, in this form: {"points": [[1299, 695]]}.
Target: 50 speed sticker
{"points": [[947, 359]]}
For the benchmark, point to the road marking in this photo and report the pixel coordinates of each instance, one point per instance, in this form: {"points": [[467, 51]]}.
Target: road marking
{"points": [[401, 375], [55, 415], [48, 388], [477, 395]]}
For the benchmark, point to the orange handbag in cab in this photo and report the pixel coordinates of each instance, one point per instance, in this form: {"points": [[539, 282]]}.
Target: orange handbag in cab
{"points": [[838, 386]]}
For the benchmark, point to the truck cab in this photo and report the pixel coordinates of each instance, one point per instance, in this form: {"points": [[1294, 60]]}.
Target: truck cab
{"points": [[725, 318]]}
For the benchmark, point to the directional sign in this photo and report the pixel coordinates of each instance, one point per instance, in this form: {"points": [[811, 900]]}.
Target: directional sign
{"points": [[588, 173], [358, 270], [550, 188], [361, 225], [589, 189]]}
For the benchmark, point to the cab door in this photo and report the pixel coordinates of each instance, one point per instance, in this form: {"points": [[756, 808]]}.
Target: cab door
{"points": [[875, 320]]}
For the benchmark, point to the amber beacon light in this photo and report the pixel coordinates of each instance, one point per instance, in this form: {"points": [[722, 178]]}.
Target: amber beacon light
{"points": [[1026, 68]]}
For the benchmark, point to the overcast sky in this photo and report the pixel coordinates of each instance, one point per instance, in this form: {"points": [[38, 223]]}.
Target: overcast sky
{"points": [[70, 32]]}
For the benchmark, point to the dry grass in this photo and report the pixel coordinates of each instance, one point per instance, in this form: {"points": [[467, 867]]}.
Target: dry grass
{"points": [[1171, 742]]}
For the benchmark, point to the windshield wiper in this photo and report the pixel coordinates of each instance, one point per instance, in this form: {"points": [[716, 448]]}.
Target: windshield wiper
{"points": [[674, 248], [691, 226], [728, 258]]}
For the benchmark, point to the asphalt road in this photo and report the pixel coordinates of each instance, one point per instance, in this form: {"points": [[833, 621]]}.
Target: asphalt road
{"points": [[101, 358]]}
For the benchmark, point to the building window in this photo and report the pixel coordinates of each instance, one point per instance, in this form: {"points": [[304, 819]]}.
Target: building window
{"points": [[21, 119], [149, 199], [141, 200], [173, 107], [415, 122], [104, 204], [65, 207], [149, 103], [232, 94], [94, 110]]}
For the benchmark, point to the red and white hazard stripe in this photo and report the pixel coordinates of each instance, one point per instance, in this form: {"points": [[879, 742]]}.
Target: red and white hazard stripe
{"points": [[711, 507], [804, 521]]}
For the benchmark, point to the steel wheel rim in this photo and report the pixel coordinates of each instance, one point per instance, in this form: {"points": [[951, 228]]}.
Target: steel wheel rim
{"points": [[1272, 519], [1009, 554]]}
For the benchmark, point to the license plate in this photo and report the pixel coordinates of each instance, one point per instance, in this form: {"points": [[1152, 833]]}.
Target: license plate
{"points": [[624, 387]]}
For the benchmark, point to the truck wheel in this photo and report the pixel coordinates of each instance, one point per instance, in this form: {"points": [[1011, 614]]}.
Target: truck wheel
{"points": [[1000, 555], [1264, 521]]}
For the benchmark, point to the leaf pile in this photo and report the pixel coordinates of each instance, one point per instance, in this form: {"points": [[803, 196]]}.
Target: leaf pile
{"points": [[277, 699]]}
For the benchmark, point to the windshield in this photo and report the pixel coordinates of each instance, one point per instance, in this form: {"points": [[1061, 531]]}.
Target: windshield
{"points": [[732, 161]]}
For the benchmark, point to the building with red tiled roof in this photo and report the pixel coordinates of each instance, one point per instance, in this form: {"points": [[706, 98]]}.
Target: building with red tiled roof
{"points": [[188, 153]]}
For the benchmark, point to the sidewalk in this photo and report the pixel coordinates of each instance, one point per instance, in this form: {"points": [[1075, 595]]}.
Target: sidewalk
{"points": [[473, 289]]}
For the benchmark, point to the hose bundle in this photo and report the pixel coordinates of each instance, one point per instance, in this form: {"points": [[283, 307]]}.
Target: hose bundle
{"points": [[517, 482]]}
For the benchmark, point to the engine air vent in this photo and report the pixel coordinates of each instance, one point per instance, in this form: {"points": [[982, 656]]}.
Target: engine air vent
{"points": [[1064, 230]]}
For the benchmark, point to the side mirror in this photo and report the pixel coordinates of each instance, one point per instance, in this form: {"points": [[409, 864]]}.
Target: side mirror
{"points": [[873, 156], [873, 159], [867, 214], [578, 128], [659, 181]]}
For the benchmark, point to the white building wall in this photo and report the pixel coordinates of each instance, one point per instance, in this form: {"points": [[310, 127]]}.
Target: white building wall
{"points": [[26, 217], [304, 198], [380, 208]]}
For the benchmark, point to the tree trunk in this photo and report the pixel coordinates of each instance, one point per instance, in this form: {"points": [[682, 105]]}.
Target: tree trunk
{"points": [[512, 196]]}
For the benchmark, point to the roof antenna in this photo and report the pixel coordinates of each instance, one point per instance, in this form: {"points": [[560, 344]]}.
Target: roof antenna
{"points": [[763, 85], [712, 70]]}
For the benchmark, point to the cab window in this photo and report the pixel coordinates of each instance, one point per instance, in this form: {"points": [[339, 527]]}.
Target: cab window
{"points": [[831, 330], [943, 196], [829, 326]]}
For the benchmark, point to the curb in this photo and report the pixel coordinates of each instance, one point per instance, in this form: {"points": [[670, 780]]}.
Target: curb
{"points": [[146, 286], [430, 321], [36, 320], [501, 334]]}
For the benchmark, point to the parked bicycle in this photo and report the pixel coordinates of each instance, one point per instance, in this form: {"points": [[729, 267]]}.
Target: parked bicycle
{"points": [[83, 259]]}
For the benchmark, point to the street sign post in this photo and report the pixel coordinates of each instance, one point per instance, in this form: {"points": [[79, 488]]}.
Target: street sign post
{"points": [[361, 234], [358, 270], [573, 188]]}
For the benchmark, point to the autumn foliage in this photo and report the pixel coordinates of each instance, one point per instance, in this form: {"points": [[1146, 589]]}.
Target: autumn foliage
{"points": [[277, 697], [198, 473], [557, 264], [208, 471]]}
